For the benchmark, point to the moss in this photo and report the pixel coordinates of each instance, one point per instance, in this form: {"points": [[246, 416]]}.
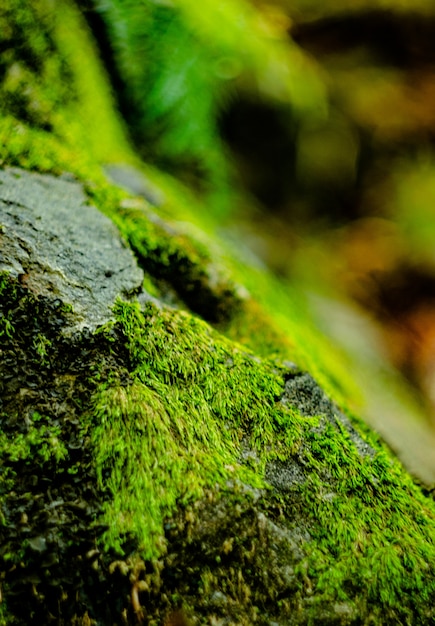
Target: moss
{"points": [[57, 111], [29, 340], [178, 427], [203, 271], [42, 441], [51, 51], [169, 252], [195, 400], [372, 529], [49, 503], [79, 131]]}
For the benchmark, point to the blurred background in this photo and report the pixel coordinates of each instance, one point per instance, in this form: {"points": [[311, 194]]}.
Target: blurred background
{"points": [[308, 131]]}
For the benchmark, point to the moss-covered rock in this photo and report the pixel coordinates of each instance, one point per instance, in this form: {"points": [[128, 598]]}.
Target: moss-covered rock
{"points": [[163, 460]]}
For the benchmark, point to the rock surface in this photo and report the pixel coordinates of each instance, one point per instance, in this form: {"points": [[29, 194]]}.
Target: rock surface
{"points": [[61, 247]]}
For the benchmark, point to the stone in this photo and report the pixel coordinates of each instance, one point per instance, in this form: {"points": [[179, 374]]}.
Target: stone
{"points": [[62, 247]]}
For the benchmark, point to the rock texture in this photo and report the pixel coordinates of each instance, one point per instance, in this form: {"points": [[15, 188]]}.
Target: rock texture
{"points": [[61, 247]]}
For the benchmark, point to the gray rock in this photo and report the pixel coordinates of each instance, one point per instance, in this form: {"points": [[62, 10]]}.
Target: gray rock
{"points": [[284, 475], [61, 247], [305, 394]]}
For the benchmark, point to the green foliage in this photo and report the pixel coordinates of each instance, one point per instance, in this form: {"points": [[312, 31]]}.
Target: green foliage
{"points": [[169, 84], [183, 62]]}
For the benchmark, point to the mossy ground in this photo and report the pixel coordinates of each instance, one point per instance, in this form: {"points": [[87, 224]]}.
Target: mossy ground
{"points": [[148, 418]]}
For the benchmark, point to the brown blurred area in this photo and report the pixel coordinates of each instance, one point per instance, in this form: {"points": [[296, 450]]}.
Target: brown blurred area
{"points": [[346, 203]]}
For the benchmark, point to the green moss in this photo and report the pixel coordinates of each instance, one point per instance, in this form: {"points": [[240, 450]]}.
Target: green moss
{"points": [[42, 440], [178, 427], [76, 129], [56, 108], [276, 321], [169, 251], [36, 435], [271, 319], [176, 431], [372, 529]]}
